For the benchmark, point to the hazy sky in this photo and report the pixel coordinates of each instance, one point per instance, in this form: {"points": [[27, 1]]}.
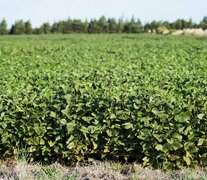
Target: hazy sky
{"points": [[39, 11]]}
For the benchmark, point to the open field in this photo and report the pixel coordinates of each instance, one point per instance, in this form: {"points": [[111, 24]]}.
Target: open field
{"points": [[123, 97]]}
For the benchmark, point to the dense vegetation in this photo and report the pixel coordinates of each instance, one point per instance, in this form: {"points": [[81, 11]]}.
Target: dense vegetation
{"points": [[101, 25], [126, 97]]}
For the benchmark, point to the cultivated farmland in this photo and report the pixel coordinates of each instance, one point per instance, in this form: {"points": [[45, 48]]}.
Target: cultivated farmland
{"points": [[126, 97]]}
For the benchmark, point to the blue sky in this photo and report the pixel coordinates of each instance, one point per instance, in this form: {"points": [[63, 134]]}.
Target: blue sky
{"points": [[39, 11]]}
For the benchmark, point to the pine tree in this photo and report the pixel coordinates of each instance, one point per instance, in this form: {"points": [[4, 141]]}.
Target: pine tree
{"points": [[3, 27], [18, 28], [28, 27]]}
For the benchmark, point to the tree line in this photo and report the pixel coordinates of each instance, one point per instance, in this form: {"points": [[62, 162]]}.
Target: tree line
{"points": [[101, 25]]}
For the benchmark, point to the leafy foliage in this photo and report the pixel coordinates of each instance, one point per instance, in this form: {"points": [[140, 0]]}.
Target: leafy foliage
{"points": [[128, 97]]}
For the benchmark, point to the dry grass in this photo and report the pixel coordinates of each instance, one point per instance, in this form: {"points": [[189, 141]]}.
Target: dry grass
{"points": [[94, 171]]}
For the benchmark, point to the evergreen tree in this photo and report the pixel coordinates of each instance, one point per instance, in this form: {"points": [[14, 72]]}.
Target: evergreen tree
{"points": [[178, 24], [46, 28], [38, 30], [133, 26], [103, 25], [93, 27], [58, 27], [120, 26], [136, 26], [203, 23], [3, 27], [190, 23], [166, 24], [79, 27], [18, 28], [54, 28], [67, 26], [28, 27], [112, 25]]}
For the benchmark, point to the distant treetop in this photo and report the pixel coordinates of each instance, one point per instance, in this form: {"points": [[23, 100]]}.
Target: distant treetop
{"points": [[101, 25]]}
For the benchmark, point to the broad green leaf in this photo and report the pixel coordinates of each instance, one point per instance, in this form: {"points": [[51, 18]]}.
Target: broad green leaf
{"points": [[70, 127], [201, 141], [187, 160], [51, 144], [42, 141], [200, 116], [159, 147], [128, 125]]}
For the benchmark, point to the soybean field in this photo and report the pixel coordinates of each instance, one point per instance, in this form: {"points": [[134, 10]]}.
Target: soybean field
{"points": [[75, 98]]}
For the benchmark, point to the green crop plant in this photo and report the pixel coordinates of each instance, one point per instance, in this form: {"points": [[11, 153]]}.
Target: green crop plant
{"points": [[82, 97]]}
